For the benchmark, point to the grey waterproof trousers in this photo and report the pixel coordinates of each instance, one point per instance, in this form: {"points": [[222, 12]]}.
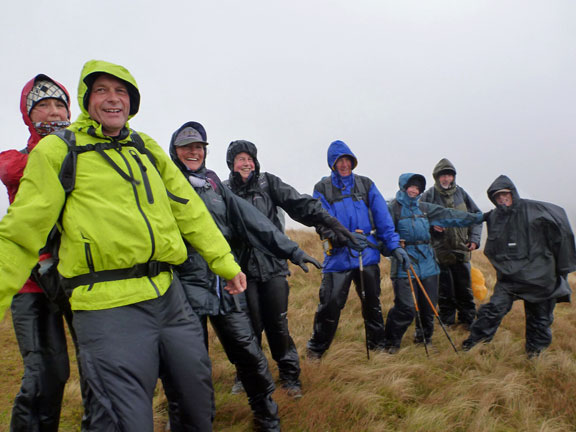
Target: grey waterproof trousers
{"points": [[123, 352]]}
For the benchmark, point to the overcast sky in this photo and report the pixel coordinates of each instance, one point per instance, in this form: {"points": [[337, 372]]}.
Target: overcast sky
{"points": [[489, 84]]}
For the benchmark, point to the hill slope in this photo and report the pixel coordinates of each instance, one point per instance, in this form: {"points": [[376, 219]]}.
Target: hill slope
{"points": [[492, 388]]}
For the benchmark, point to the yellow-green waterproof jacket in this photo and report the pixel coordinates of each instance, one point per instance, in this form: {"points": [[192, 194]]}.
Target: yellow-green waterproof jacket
{"points": [[108, 222]]}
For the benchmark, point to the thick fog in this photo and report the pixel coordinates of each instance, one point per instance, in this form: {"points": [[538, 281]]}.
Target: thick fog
{"points": [[491, 85]]}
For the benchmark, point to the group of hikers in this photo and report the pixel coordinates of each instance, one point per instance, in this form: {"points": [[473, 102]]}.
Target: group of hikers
{"points": [[137, 250]]}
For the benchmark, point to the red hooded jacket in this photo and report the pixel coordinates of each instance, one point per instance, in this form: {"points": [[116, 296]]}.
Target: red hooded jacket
{"points": [[13, 162]]}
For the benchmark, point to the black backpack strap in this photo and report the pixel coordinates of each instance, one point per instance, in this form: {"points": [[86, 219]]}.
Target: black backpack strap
{"points": [[139, 145], [326, 189], [359, 193], [68, 169]]}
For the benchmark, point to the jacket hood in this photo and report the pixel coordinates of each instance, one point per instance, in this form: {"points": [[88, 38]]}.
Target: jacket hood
{"points": [[242, 146], [34, 136], [338, 149], [172, 149], [443, 165], [91, 70], [402, 197], [503, 182], [405, 178]]}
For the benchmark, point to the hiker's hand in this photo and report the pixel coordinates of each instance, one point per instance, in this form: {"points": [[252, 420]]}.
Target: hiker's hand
{"points": [[237, 284], [340, 235], [359, 242], [403, 258], [300, 258], [471, 246]]}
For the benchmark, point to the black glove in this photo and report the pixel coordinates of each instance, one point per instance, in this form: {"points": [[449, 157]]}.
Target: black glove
{"points": [[338, 235], [359, 242], [300, 258], [403, 258]]}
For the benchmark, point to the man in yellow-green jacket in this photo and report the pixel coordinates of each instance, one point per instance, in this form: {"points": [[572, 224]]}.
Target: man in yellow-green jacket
{"points": [[122, 217]]}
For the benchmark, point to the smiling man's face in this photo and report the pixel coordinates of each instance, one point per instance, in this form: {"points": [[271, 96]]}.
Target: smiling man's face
{"points": [[109, 104]]}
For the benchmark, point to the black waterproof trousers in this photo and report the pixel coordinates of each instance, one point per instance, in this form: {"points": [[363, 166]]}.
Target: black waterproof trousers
{"points": [[539, 318], [403, 312], [123, 352], [243, 350], [39, 328], [333, 295], [455, 294], [268, 306]]}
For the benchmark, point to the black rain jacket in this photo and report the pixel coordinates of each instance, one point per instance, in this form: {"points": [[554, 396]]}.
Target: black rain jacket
{"points": [[242, 225], [267, 192], [531, 246]]}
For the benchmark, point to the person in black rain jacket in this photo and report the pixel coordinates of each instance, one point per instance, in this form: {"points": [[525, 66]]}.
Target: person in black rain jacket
{"points": [[531, 246]]}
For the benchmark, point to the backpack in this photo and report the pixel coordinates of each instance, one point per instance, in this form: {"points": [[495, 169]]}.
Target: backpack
{"points": [[359, 192], [45, 274]]}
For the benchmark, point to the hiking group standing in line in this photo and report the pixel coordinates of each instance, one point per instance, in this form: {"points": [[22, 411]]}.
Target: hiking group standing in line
{"points": [[149, 247]]}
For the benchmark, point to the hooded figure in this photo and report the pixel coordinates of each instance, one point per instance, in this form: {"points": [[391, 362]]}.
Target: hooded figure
{"points": [[356, 202], [122, 229], [413, 219], [531, 246], [38, 323], [453, 247], [243, 226], [268, 289]]}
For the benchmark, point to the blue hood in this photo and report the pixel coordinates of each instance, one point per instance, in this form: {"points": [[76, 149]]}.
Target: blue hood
{"points": [[338, 149], [402, 196]]}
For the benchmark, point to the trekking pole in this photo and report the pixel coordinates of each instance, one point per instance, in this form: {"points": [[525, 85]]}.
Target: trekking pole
{"points": [[363, 296], [418, 314], [433, 308]]}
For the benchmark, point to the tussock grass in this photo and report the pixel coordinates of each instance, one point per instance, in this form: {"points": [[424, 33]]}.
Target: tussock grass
{"points": [[492, 388]]}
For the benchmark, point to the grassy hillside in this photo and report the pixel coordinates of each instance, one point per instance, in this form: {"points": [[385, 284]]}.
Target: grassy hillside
{"points": [[491, 388]]}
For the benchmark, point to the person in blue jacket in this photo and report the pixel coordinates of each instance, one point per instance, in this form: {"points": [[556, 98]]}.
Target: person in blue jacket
{"points": [[413, 219], [356, 202]]}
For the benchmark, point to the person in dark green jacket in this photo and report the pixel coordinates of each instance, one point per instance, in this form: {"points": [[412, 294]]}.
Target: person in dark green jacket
{"points": [[122, 229], [453, 247]]}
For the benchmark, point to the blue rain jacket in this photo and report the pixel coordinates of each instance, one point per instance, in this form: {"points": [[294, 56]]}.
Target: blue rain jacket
{"points": [[355, 214], [413, 227]]}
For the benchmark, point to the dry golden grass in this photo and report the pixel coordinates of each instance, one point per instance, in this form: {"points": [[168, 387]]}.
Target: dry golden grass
{"points": [[493, 388]]}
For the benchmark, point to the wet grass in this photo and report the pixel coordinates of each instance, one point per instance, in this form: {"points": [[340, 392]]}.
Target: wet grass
{"points": [[494, 387]]}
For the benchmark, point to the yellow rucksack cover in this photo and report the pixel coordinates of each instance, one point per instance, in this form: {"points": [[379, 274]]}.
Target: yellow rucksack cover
{"points": [[479, 289]]}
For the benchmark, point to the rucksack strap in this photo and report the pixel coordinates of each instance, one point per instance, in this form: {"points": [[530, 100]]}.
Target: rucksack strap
{"points": [[397, 212], [150, 269], [358, 193], [68, 170]]}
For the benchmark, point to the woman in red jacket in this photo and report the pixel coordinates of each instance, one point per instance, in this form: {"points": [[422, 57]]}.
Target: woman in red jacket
{"points": [[38, 323]]}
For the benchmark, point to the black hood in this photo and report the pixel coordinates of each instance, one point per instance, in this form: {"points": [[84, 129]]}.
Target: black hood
{"points": [[242, 146], [172, 150], [503, 182]]}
